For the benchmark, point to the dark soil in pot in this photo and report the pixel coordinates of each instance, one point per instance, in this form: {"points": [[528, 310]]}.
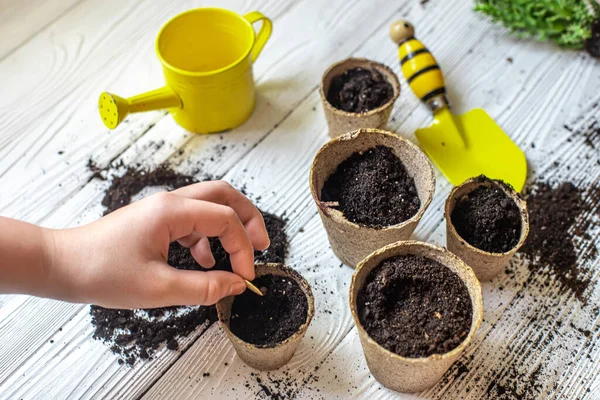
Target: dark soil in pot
{"points": [[487, 218], [359, 90], [272, 318], [373, 189], [415, 307]]}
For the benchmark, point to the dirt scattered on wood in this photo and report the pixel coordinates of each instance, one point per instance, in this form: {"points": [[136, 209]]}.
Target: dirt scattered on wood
{"points": [[561, 256], [124, 188], [284, 385], [559, 214], [137, 334]]}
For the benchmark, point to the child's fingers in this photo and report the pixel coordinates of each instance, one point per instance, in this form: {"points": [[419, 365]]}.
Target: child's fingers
{"points": [[199, 248], [184, 216], [190, 240], [202, 288], [202, 253], [222, 192]]}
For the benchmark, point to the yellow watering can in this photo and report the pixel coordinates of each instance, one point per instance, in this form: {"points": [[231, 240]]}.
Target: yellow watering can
{"points": [[207, 56], [461, 146]]}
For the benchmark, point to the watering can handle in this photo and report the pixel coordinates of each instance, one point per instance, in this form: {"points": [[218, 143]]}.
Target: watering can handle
{"points": [[419, 67], [113, 109], [263, 34]]}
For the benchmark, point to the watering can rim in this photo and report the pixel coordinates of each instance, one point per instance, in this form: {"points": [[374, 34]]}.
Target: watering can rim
{"points": [[203, 73]]}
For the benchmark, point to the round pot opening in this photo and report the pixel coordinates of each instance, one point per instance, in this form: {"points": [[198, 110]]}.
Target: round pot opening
{"points": [[351, 241], [486, 264], [270, 354], [413, 374], [339, 68]]}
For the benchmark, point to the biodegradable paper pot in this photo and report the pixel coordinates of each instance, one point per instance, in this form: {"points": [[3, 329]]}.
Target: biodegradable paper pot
{"points": [[352, 242], [486, 265], [340, 122], [405, 374], [268, 358]]}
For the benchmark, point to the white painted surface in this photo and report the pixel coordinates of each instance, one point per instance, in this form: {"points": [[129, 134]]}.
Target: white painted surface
{"points": [[51, 75]]}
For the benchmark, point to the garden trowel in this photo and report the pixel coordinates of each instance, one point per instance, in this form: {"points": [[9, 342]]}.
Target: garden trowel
{"points": [[461, 146]]}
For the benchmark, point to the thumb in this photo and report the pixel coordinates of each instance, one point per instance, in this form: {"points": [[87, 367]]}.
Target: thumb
{"points": [[203, 288]]}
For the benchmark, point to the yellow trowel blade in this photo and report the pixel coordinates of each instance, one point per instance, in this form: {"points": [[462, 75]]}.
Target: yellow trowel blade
{"points": [[471, 144]]}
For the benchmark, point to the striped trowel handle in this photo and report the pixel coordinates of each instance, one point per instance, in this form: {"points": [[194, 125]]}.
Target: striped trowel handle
{"points": [[419, 67]]}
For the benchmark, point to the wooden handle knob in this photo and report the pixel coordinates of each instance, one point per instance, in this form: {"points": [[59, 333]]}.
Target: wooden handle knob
{"points": [[401, 30]]}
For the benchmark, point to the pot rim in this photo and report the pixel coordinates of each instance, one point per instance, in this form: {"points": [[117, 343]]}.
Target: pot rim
{"points": [[369, 64], [337, 215], [477, 305], [306, 289], [509, 191]]}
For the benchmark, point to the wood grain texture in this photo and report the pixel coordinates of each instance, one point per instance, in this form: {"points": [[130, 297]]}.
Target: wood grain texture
{"points": [[21, 20], [148, 149], [506, 327], [48, 108], [531, 96]]}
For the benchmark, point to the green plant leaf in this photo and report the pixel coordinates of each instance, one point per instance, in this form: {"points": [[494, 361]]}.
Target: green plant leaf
{"points": [[565, 22]]}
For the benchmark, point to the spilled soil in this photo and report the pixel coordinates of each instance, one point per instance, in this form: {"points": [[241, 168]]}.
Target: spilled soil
{"points": [[359, 90], [373, 188], [137, 334], [558, 215], [415, 307], [124, 188]]}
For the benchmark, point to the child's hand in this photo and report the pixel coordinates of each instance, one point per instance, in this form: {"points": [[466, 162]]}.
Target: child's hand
{"points": [[119, 261]]}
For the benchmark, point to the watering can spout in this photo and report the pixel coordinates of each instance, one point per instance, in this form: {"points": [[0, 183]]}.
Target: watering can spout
{"points": [[113, 109]]}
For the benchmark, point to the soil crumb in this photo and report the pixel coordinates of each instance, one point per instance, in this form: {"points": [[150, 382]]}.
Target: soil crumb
{"points": [[272, 318], [137, 334], [373, 188], [557, 216], [284, 385], [415, 307], [592, 44], [359, 90], [133, 335], [124, 188], [487, 218]]}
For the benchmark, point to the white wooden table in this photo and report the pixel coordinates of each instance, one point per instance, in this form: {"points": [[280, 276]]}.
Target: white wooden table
{"points": [[56, 56]]}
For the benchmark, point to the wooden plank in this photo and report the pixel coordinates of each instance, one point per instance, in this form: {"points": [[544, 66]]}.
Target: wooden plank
{"points": [[208, 142], [291, 157], [28, 341], [48, 108], [77, 358], [21, 20], [52, 106], [280, 189], [23, 354]]}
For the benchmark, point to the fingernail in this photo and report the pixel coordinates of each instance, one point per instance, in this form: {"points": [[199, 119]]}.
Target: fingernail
{"points": [[237, 288]]}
